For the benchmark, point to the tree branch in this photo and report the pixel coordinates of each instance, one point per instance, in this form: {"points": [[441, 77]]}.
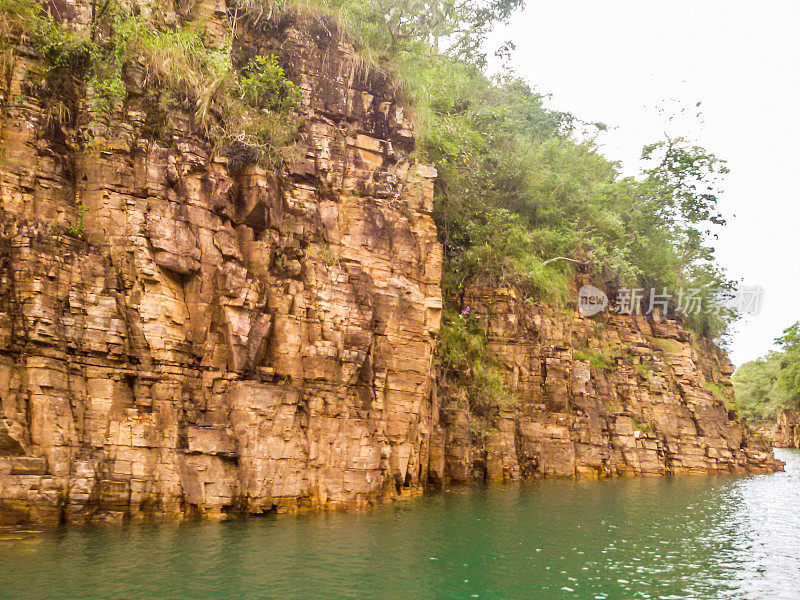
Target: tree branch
{"points": [[549, 260]]}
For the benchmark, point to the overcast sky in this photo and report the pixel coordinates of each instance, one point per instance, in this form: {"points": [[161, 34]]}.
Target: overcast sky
{"points": [[629, 63]]}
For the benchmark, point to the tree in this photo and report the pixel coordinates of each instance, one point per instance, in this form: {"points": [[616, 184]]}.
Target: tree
{"points": [[685, 180], [456, 28], [768, 385], [788, 381]]}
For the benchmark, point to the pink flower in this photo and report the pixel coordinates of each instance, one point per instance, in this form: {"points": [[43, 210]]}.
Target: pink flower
{"points": [[465, 312]]}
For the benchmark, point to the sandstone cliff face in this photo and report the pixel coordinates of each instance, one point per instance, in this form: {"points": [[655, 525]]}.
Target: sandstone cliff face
{"points": [[787, 430], [222, 341], [653, 405], [240, 341]]}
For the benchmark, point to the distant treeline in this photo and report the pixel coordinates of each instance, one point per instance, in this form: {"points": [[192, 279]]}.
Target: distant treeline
{"points": [[768, 385]]}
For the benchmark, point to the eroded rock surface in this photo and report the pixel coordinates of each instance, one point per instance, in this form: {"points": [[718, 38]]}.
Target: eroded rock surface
{"points": [[653, 403], [221, 341], [208, 340], [787, 430]]}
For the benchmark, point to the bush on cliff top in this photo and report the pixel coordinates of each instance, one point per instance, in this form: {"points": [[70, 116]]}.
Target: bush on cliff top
{"points": [[247, 114], [520, 185]]}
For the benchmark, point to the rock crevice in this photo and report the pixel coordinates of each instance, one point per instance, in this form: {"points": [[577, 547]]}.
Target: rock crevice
{"points": [[654, 405], [184, 336]]}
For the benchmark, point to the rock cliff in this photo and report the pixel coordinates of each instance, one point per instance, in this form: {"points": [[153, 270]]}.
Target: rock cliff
{"points": [[787, 430], [179, 336], [610, 395], [221, 340]]}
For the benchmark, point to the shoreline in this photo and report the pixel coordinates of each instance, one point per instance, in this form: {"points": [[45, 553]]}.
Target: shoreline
{"points": [[297, 507]]}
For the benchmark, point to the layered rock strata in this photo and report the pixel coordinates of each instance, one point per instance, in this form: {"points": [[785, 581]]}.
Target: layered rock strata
{"points": [[787, 430], [219, 341], [610, 395], [181, 337]]}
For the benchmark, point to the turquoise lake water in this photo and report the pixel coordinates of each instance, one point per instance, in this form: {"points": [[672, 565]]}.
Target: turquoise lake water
{"points": [[673, 538]]}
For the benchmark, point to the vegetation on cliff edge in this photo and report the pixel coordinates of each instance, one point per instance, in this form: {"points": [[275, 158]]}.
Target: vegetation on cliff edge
{"points": [[523, 197], [246, 111]]}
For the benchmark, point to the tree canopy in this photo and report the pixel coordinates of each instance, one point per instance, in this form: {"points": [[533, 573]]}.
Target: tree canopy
{"points": [[768, 385], [517, 187]]}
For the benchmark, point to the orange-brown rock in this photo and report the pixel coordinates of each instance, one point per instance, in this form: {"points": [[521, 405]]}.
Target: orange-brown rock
{"points": [[221, 341], [208, 340], [787, 430], [652, 403]]}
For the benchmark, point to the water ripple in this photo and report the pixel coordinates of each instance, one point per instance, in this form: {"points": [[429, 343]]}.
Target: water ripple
{"points": [[727, 538]]}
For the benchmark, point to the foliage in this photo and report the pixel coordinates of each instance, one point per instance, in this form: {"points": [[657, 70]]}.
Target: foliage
{"points": [[67, 54], [516, 190], [455, 29], [463, 351], [76, 56], [264, 84], [644, 370], [79, 229], [176, 60], [248, 113], [597, 360], [788, 380], [641, 425], [667, 345], [766, 386], [325, 253], [502, 253], [717, 391]]}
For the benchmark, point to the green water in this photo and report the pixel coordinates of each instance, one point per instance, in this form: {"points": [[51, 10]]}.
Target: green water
{"points": [[687, 537]]}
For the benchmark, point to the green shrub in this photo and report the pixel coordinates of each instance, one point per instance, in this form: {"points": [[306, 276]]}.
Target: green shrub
{"points": [[248, 114], [719, 393], [667, 345], [264, 84], [643, 369], [79, 229], [597, 360], [462, 351], [641, 425], [325, 253]]}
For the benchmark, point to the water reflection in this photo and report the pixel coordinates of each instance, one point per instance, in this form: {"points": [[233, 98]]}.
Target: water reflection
{"points": [[687, 537]]}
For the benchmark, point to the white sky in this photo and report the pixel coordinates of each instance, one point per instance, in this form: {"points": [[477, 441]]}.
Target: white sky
{"points": [[627, 63]]}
